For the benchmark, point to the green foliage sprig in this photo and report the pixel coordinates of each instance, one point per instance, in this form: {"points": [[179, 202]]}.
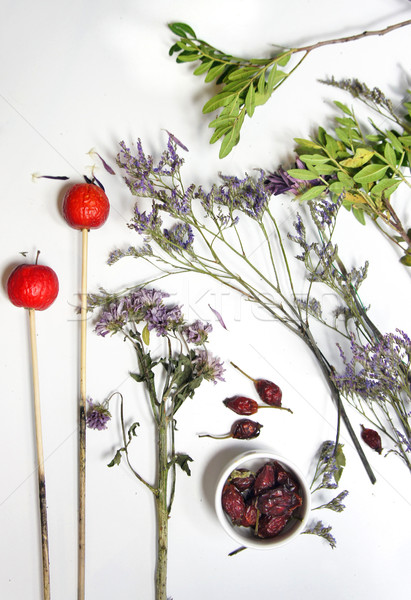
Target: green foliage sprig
{"points": [[366, 168], [243, 83]]}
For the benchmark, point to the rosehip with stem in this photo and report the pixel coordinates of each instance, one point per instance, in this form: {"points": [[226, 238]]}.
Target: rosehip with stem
{"points": [[243, 429], [86, 206], [268, 391]]}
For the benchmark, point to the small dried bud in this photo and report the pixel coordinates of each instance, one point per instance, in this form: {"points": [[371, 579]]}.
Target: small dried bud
{"points": [[372, 439]]}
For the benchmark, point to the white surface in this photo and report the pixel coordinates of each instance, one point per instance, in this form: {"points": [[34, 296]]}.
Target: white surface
{"points": [[77, 75]]}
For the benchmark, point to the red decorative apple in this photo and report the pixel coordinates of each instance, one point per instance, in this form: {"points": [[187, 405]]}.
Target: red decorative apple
{"points": [[85, 206], [33, 286]]}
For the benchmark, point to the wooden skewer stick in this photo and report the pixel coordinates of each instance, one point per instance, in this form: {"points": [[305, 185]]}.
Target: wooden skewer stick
{"points": [[82, 422], [40, 458]]}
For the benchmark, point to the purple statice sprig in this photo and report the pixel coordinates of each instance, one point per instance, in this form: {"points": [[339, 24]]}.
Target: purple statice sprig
{"points": [[329, 468], [377, 371], [336, 504], [323, 531]]}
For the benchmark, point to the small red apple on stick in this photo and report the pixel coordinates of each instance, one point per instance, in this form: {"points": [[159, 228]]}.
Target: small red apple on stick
{"points": [[85, 207], [35, 287]]}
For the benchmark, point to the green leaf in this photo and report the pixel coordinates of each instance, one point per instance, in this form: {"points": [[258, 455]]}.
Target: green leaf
{"points": [[182, 461], [242, 73], [250, 101], [394, 141], [302, 174], [314, 158], [137, 377], [221, 99], [203, 68], [232, 137], [370, 173], [313, 192], [406, 260], [361, 157], [306, 143], [146, 335], [132, 430], [182, 29], [187, 56], [337, 187], [214, 72], [219, 133], [389, 155], [343, 107], [261, 83], [386, 186], [359, 215], [283, 59], [116, 460], [405, 141]]}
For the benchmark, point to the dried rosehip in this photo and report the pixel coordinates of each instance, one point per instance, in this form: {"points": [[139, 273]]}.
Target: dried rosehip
{"points": [[233, 503], [243, 479], [241, 405], [372, 439], [250, 516], [265, 478], [271, 526], [277, 502], [284, 478], [245, 429], [269, 392]]}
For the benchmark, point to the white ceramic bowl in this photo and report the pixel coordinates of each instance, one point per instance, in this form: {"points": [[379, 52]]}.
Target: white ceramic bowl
{"points": [[245, 536]]}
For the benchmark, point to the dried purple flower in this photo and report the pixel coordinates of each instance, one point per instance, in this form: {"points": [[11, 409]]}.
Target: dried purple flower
{"points": [[209, 367], [97, 415], [197, 332]]}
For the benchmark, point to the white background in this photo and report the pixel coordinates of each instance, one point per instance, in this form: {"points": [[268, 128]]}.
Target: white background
{"points": [[77, 75]]}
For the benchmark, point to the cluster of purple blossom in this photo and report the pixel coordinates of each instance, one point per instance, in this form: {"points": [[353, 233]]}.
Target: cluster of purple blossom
{"points": [[98, 415], [147, 306], [142, 305], [246, 195]]}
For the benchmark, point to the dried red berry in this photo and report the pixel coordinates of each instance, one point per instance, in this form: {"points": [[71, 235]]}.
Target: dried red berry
{"points": [[372, 439], [241, 405], [233, 503], [265, 478], [277, 502], [271, 526], [250, 516], [243, 479], [284, 478], [269, 392], [245, 429]]}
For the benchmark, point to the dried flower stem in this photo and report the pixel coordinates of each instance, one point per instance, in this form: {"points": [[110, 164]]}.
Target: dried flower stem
{"points": [[40, 458]]}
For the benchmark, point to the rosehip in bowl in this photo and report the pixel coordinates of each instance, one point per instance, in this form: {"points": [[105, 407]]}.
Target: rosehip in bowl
{"points": [[85, 206], [32, 286]]}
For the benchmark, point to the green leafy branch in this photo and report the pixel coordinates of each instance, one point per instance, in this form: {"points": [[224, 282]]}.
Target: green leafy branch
{"points": [[365, 168], [243, 83]]}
